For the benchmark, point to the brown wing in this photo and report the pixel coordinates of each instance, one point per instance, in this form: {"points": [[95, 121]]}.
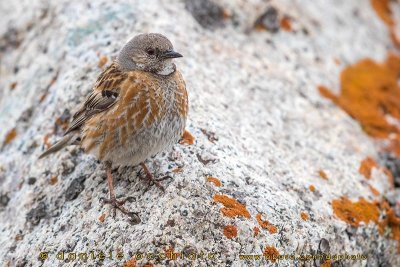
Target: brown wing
{"points": [[104, 95]]}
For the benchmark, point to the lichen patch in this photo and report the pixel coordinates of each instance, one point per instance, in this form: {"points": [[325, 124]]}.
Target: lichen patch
{"points": [[366, 167], [304, 216], [230, 231], [374, 191], [266, 224], [130, 263], [10, 136], [323, 174], [383, 10], [369, 93], [271, 253], [256, 231], [232, 208], [214, 180], [187, 139], [354, 213]]}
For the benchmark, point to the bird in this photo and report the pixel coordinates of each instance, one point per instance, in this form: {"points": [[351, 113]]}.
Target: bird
{"points": [[138, 107]]}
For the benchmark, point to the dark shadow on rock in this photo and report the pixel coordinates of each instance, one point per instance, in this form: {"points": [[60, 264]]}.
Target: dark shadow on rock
{"points": [[75, 188], [36, 214], [269, 20], [206, 12]]}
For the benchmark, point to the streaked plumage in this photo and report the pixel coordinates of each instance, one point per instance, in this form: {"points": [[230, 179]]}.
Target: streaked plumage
{"points": [[148, 115], [138, 108]]}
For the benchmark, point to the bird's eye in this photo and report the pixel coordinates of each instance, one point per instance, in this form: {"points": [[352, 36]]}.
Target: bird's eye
{"points": [[151, 52]]}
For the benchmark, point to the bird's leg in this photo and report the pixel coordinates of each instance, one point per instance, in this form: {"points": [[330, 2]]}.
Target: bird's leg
{"points": [[151, 179], [116, 204]]}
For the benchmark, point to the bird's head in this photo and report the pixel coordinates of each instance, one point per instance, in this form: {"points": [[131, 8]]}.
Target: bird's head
{"points": [[150, 52]]}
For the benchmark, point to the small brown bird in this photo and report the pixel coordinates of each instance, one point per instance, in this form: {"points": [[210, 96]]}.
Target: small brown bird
{"points": [[138, 108]]}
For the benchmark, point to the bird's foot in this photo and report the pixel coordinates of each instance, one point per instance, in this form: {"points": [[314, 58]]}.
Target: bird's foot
{"points": [[153, 181], [119, 204], [156, 181]]}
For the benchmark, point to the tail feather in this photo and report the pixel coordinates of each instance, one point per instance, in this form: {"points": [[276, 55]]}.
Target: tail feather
{"points": [[66, 140]]}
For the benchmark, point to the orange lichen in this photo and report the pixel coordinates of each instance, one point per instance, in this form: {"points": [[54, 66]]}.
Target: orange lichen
{"points": [[325, 92], [230, 231], [46, 91], [226, 14], [102, 61], [394, 147], [271, 253], [130, 263], [10, 136], [53, 180], [384, 12], [327, 263], [395, 39], [19, 237], [391, 222], [355, 212], [384, 205], [232, 207], [42, 97], [46, 140], [256, 231], [366, 167], [382, 9], [323, 175], [149, 264], [177, 170], [370, 92], [374, 191], [272, 229], [266, 224], [102, 217], [363, 211], [368, 164], [214, 180], [286, 23], [62, 123], [13, 85], [394, 223], [312, 188], [389, 175], [187, 138], [304, 216], [260, 221]]}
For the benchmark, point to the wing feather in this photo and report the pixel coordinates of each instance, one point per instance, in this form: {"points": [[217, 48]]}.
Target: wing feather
{"points": [[104, 95]]}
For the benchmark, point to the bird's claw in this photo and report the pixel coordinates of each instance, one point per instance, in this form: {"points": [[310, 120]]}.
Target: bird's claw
{"points": [[118, 204], [156, 181]]}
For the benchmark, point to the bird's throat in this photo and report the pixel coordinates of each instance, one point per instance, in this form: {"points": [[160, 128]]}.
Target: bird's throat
{"points": [[167, 69]]}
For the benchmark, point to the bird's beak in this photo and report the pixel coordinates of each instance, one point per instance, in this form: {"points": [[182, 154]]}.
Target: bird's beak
{"points": [[171, 54]]}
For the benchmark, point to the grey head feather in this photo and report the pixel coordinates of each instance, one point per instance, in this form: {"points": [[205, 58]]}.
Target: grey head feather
{"points": [[148, 52]]}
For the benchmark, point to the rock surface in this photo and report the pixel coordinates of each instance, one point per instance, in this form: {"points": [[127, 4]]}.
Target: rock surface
{"points": [[252, 183]]}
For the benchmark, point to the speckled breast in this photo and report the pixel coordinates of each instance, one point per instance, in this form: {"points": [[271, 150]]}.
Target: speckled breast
{"points": [[149, 118]]}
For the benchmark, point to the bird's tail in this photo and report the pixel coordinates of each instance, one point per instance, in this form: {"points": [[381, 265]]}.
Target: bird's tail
{"points": [[69, 139]]}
